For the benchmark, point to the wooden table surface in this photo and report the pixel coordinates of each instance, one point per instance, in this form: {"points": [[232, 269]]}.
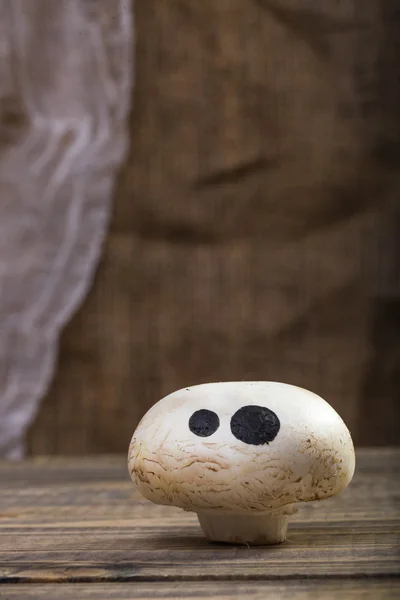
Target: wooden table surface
{"points": [[80, 522]]}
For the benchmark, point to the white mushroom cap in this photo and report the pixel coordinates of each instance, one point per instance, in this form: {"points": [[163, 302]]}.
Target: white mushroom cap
{"points": [[241, 449]]}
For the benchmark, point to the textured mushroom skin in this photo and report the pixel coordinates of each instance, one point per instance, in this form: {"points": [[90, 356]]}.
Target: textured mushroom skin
{"points": [[311, 458]]}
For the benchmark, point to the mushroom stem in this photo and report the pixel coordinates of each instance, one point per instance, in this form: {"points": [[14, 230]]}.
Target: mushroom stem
{"points": [[257, 530]]}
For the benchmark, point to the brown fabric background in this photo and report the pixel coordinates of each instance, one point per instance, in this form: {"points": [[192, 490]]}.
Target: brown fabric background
{"points": [[254, 230]]}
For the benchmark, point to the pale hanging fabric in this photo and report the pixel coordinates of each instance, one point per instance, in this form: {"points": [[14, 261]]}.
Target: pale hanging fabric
{"points": [[65, 88]]}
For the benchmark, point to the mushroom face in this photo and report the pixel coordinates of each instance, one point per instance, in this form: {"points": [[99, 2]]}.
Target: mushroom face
{"points": [[240, 448]]}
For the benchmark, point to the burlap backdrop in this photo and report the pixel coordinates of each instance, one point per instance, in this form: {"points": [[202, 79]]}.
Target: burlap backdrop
{"points": [[254, 232]]}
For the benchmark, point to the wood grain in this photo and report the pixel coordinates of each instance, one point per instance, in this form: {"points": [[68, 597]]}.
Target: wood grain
{"points": [[385, 589], [81, 521]]}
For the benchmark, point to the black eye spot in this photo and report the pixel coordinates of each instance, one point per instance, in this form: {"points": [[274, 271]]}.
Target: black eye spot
{"points": [[204, 422], [255, 425]]}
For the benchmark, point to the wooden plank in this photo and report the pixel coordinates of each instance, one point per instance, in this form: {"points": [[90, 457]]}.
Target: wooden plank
{"points": [[349, 589], [82, 521]]}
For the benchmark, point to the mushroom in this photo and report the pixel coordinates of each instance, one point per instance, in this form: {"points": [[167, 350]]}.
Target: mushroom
{"points": [[240, 455]]}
